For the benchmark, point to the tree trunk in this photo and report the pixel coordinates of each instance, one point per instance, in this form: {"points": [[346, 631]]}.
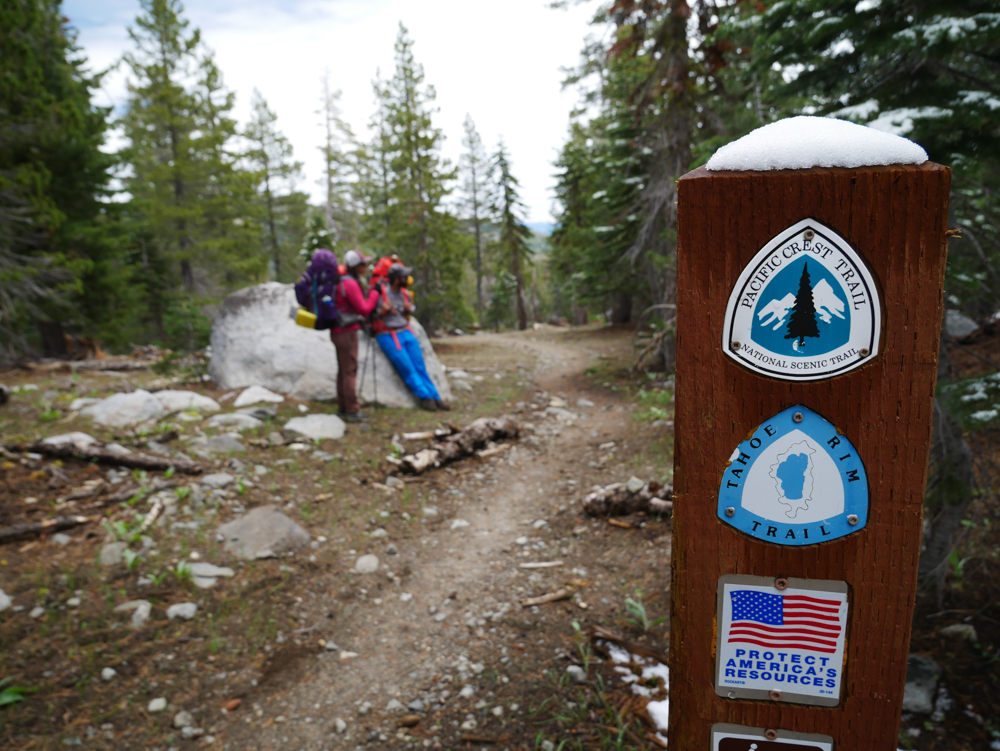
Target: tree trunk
{"points": [[621, 311], [477, 224], [53, 339], [515, 267], [187, 275], [668, 349], [273, 227], [950, 481]]}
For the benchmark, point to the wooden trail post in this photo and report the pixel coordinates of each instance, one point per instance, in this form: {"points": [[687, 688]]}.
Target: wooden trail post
{"points": [[809, 314]]}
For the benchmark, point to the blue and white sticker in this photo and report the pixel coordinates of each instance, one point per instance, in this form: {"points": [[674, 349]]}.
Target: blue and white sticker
{"points": [[805, 308], [795, 481]]}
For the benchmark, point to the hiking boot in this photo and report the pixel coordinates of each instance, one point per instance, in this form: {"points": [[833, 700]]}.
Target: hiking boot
{"points": [[358, 416], [443, 406], [429, 404]]}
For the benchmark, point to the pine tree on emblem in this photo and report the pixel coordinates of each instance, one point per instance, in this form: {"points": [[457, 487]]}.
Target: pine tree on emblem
{"points": [[802, 322]]}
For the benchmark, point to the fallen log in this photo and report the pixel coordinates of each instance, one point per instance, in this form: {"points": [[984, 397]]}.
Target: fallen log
{"points": [[487, 453], [623, 499], [37, 528], [428, 434], [474, 738], [572, 587], [560, 594], [134, 460], [460, 444]]}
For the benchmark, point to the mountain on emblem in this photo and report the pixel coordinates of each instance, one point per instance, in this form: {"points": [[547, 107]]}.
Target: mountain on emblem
{"points": [[804, 308], [795, 481]]}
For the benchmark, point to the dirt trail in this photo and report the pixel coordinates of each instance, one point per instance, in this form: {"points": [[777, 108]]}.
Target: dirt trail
{"points": [[437, 615]]}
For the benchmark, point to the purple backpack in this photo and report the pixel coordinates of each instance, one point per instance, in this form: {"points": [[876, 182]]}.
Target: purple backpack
{"points": [[315, 289]]}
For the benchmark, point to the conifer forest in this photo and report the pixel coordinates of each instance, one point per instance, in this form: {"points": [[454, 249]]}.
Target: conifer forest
{"points": [[135, 244], [129, 230]]}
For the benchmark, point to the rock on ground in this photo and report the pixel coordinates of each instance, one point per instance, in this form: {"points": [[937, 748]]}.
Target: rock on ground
{"points": [[263, 528], [77, 438], [204, 575], [254, 341], [5, 601], [157, 705], [226, 443], [181, 401], [235, 420], [120, 410], [958, 325], [111, 554], [366, 564], [185, 610], [217, 480], [317, 426], [255, 395], [960, 631], [140, 610], [921, 683]]}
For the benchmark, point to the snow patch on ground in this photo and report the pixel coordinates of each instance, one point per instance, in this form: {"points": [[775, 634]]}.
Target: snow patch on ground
{"points": [[804, 142], [658, 712]]}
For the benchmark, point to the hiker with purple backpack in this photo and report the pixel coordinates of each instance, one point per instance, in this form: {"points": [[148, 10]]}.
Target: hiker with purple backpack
{"points": [[339, 303]]}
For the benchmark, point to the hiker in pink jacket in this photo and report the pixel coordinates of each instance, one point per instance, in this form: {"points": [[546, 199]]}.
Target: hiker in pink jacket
{"points": [[353, 307]]}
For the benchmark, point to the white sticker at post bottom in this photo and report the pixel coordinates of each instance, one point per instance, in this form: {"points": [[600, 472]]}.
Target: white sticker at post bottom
{"points": [[788, 640], [805, 308]]}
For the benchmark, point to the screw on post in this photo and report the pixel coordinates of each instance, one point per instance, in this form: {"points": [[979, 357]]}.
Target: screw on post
{"points": [[781, 583], [775, 695]]}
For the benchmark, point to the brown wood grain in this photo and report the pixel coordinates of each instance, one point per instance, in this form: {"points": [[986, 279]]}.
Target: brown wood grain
{"points": [[895, 218]]}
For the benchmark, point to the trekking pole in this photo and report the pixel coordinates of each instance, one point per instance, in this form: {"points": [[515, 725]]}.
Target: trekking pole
{"points": [[364, 369], [374, 371]]}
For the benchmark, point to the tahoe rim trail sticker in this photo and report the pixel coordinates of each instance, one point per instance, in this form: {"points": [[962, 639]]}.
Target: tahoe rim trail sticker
{"points": [[805, 308], [795, 481]]}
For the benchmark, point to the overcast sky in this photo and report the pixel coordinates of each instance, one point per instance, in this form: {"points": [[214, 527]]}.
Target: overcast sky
{"points": [[498, 61]]}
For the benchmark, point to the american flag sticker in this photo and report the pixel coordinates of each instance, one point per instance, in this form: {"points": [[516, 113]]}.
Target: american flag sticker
{"points": [[789, 640]]}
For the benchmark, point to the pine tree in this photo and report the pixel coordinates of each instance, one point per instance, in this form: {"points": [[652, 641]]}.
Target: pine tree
{"points": [[271, 156], [669, 87], [476, 175], [512, 245], [927, 71], [317, 237], [61, 250], [195, 205], [406, 181], [802, 322], [339, 151]]}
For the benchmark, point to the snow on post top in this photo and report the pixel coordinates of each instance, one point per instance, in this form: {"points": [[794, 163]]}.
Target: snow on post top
{"points": [[804, 142]]}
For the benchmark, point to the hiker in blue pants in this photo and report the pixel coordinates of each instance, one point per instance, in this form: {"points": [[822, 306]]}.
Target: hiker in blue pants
{"points": [[398, 342]]}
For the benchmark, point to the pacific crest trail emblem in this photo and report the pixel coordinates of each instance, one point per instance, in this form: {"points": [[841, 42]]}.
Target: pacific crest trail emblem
{"points": [[805, 308]]}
